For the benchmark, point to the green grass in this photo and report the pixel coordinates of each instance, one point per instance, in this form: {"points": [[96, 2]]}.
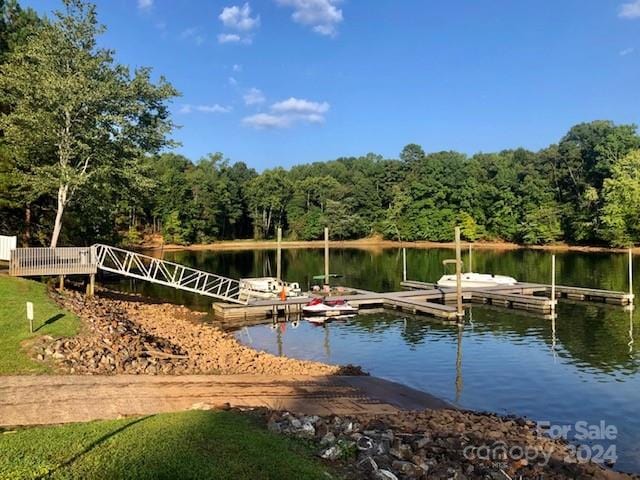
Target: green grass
{"points": [[195, 444], [49, 319]]}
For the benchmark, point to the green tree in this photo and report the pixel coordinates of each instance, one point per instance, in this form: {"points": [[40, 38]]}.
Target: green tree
{"points": [[268, 196], [620, 214], [75, 114]]}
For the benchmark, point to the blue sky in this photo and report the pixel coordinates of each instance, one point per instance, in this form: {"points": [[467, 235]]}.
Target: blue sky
{"points": [[282, 82]]}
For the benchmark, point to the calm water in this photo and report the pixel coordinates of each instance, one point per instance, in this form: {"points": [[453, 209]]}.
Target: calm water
{"points": [[582, 367]]}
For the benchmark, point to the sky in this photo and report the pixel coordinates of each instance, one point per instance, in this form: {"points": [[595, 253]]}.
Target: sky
{"points": [[284, 82]]}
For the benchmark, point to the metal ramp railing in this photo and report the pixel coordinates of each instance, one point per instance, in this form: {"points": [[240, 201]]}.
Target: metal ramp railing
{"points": [[155, 270]]}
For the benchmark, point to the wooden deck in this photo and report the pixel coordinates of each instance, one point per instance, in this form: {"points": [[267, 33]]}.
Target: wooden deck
{"points": [[53, 261], [41, 399]]}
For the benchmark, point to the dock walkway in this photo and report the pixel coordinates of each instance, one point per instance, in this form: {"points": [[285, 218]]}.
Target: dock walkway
{"points": [[52, 399]]}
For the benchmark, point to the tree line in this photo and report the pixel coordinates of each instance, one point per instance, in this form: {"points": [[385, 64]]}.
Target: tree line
{"points": [[85, 156]]}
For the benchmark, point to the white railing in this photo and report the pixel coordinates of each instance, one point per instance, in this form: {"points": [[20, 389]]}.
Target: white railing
{"points": [[155, 270], [53, 261], [6, 245]]}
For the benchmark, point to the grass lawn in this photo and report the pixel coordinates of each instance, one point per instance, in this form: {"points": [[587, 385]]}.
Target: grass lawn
{"points": [[49, 319], [195, 444]]}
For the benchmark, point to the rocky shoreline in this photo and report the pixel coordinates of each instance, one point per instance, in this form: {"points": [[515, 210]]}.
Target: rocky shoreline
{"points": [[438, 445], [134, 337]]}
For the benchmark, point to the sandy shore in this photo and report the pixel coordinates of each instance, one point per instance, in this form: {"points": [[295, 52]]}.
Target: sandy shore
{"points": [[375, 243]]}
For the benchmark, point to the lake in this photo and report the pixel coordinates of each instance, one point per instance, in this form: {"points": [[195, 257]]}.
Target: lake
{"points": [[582, 367]]}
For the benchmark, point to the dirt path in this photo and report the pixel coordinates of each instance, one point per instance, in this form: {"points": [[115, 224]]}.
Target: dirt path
{"points": [[42, 400]]}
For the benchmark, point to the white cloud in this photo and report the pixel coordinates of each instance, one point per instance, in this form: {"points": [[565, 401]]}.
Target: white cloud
{"points": [[254, 96], [236, 67], [228, 38], [239, 18], [145, 4], [215, 108], [232, 81], [630, 10], [288, 113], [626, 51], [300, 106], [322, 15], [266, 120]]}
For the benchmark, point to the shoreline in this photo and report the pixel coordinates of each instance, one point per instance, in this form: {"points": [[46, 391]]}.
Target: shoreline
{"points": [[374, 244]]}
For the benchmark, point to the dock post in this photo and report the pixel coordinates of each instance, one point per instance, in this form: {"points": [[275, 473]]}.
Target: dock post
{"points": [[470, 259], [92, 285], [630, 277], [404, 264], [553, 284], [326, 256], [279, 255], [460, 311]]}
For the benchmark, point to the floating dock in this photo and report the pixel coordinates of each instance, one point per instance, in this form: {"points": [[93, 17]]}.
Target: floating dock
{"points": [[422, 298]]}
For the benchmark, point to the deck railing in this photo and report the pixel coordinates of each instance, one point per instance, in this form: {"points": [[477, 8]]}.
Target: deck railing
{"points": [[6, 245], [53, 261]]}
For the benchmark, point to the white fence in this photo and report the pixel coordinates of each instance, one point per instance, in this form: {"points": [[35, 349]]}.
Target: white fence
{"points": [[6, 245]]}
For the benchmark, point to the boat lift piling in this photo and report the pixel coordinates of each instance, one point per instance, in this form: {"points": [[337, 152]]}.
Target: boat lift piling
{"points": [[553, 285], [326, 257], [404, 264], [460, 310], [631, 296], [279, 255]]}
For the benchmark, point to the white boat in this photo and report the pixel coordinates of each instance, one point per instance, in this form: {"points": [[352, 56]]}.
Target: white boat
{"points": [[328, 308], [267, 287], [471, 279]]}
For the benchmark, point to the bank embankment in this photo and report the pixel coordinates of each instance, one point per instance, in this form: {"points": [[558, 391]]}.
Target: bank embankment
{"points": [[126, 334]]}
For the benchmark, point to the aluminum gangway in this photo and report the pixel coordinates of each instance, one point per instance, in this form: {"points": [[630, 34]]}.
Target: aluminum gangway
{"points": [[155, 270]]}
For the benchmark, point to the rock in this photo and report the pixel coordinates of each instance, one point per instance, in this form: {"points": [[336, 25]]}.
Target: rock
{"points": [[367, 464], [328, 439], [383, 474], [307, 430], [331, 453], [366, 445], [407, 469], [401, 451]]}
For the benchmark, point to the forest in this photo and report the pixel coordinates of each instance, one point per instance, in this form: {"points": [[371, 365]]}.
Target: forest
{"points": [[86, 156]]}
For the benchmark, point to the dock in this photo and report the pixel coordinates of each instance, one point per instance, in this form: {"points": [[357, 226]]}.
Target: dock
{"points": [[423, 298]]}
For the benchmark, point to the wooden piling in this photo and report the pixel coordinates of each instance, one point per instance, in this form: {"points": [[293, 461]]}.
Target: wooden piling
{"points": [[630, 277], [553, 284], [470, 267], [404, 264], [326, 256], [279, 255], [459, 311], [61, 283], [92, 285]]}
